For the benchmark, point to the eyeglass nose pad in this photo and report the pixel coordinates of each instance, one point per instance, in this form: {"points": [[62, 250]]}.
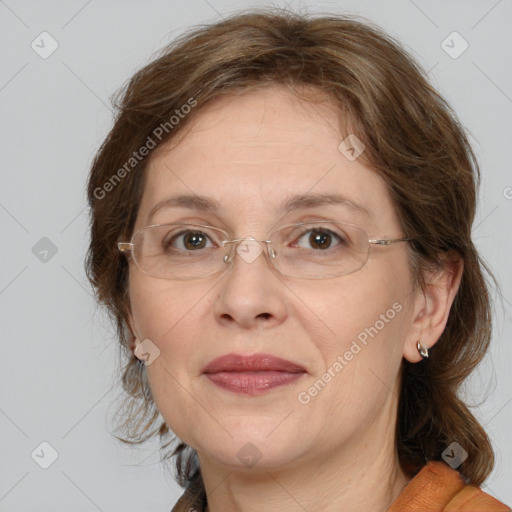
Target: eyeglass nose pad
{"points": [[228, 258]]}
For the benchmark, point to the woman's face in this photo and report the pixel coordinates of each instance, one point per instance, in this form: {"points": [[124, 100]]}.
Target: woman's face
{"points": [[250, 153]]}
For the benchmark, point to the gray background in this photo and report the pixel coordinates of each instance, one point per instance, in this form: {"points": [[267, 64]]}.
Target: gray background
{"points": [[59, 363]]}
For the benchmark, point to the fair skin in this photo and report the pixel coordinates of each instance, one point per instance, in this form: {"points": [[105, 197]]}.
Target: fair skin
{"points": [[337, 452]]}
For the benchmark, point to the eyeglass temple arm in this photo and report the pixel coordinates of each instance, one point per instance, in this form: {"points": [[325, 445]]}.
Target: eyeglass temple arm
{"points": [[389, 242]]}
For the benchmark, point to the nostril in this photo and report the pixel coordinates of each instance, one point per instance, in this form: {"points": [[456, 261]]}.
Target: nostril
{"points": [[264, 315]]}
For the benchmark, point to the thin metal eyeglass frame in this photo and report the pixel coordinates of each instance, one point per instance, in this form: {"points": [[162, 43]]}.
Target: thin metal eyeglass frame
{"points": [[228, 258]]}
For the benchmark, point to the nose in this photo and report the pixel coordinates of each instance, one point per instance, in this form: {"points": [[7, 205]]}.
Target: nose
{"points": [[250, 294]]}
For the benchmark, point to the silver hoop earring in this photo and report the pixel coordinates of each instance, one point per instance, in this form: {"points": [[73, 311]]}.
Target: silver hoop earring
{"points": [[424, 351]]}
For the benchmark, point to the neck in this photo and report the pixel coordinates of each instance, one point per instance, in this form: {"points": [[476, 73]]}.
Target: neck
{"points": [[363, 475]]}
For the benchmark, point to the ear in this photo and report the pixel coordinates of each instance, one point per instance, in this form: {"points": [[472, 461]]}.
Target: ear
{"points": [[432, 306]]}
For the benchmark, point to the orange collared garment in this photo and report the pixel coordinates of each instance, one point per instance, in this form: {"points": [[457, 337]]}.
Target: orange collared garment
{"points": [[439, 488]]}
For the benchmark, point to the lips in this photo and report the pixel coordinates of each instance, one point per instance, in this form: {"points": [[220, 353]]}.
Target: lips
{"points": [[254, 363], [252, 375]]}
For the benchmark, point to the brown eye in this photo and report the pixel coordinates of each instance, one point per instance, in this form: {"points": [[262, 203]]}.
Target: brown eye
{"points": [[319, 239], [187, 241], [194, 241]]}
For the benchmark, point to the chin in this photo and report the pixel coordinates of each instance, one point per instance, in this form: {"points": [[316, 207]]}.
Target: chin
{"points": [[256, 448]]}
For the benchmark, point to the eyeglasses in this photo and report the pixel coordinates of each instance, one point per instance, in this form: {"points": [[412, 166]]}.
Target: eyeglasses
{"points": [[304, 250]]}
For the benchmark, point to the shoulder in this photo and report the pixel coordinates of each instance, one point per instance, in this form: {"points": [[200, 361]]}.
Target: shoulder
{"points": [[439, 488], [471, 498]]}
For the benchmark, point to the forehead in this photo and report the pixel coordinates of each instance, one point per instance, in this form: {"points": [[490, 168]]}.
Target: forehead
{"points": [[251, 152]]}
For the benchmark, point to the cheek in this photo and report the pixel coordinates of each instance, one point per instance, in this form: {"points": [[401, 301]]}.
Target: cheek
{"points": [[360, 306], [367, 317], [165, 313], [165, 317], [361, 364], [158, 306]]}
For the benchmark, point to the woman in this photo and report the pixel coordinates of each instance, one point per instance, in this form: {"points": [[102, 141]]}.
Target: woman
{"points": [[281, 229]]}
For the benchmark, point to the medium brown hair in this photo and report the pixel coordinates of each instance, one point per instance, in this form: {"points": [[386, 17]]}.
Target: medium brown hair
{"points": [[413, 140]]}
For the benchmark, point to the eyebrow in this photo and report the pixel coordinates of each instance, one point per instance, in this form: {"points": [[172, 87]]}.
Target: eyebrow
{"points": [[294, 203]]}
